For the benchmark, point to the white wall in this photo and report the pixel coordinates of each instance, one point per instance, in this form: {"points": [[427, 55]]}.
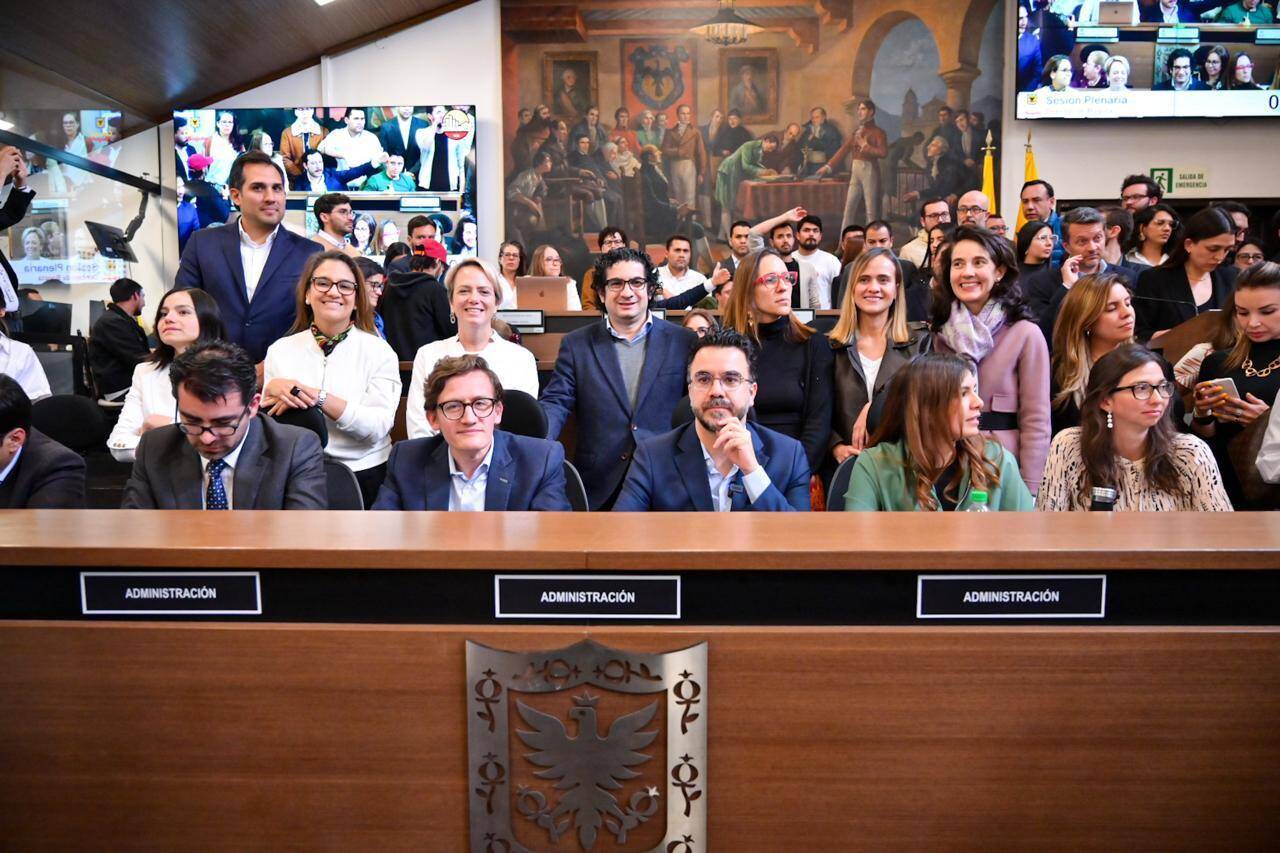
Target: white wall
{"points": [[1088, 159]]}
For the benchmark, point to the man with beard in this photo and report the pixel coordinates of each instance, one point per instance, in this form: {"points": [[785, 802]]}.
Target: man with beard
{"points": [[780, 234], [824, 266], [719, 462]]}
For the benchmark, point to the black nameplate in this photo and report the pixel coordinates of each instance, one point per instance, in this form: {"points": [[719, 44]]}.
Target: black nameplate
{"points": [[586, 596], [175, 593], [1011, 596]]}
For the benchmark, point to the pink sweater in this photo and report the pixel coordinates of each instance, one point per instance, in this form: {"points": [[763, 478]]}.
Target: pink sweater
{"points": [[1014, 377]]}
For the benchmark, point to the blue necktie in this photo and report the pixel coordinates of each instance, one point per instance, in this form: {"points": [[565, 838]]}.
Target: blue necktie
{"points": [[215, 494]]}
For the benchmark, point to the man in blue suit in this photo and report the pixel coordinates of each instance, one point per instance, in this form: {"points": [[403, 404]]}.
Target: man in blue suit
{"points": [[315, 178], [719, 462], [400, 136], [622, 378], [468, 466], [251, 268]]}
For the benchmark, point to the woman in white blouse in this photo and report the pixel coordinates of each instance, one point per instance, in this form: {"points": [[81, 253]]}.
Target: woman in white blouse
{"points": [[511, 265], [473, 287], [333, 360], [1126, 441], [183, 318], [546, 261]]}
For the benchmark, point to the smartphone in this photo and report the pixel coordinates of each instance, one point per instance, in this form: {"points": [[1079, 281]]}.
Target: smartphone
{"points": [[1228, 387]]}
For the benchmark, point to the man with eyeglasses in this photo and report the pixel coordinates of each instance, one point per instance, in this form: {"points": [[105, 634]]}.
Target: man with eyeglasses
{"points": [[620, 378], [1138, 192], [933, 211], [880, 236], [337, 219], [973, 208], [219, 454], [609, 238], [997, 225], [719, 462], [469, 465]]}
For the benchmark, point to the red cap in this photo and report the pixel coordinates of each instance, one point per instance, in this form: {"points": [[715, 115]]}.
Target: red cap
{"points": [[434, 249], [199, 162]]}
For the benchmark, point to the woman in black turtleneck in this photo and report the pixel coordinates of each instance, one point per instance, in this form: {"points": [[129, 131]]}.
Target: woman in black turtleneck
{"points": [[795, 366], [1035, 247]]}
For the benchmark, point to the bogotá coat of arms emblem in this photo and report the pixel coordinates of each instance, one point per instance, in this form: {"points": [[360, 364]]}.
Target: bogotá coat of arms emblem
{"points": [[587, 749]]}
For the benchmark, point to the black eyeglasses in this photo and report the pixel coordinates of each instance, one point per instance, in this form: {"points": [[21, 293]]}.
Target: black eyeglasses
{"points": [[615, 285], [220, 430], [1144, 390], [324, 285], [481, 406]]}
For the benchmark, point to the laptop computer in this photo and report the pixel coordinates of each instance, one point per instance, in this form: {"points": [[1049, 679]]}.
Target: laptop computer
{"points": [[1118, 13], [544, 292]]}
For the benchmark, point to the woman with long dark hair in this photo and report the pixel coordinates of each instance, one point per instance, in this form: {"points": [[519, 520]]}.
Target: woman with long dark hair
{"points": [[1035, 246], [223, 147], [1153, 230], [1193, 280], [511, 265], [1127, 442], [333, 360], [979, 313], [184, 318], [794, 396], [929, 452]]}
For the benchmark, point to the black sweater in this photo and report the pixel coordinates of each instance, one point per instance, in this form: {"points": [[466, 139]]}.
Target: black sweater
{"points": [[795, 388]]}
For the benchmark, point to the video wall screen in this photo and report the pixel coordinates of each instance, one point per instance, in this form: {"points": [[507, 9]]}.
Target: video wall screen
{"points": [[394, 163], [1134, 60]]}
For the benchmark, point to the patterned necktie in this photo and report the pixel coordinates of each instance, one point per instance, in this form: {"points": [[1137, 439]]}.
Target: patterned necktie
{"points": [[215, 494]]}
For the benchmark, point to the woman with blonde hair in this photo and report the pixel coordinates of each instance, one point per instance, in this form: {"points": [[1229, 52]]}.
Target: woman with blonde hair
{"points": [[546, 261], [929, 453], [871, 343], [1095, 317], [333, 360], [794, 379]]}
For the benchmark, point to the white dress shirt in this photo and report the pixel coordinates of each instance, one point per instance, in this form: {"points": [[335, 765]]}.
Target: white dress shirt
{"points": [[19, 361], [364, 371], [150, 393], [516, 367], [468, 495], [228, 474], [8, 469], [756, 483], [253, 256]]}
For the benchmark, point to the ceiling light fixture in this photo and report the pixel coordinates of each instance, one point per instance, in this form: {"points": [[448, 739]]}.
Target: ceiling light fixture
{"points": [[726, 27]]}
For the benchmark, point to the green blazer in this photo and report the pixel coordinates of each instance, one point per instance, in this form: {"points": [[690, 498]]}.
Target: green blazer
{"points": [[879, 482]]}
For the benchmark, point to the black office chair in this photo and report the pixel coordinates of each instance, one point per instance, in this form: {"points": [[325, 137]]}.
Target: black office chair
{"points": [[71, 420], [309, 419], [840, 485], [344, 488], [574, 490], [522, 415]]}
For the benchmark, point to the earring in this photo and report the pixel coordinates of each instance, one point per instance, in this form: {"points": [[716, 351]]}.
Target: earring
{"points": [[453, 319], [1110, 421]]}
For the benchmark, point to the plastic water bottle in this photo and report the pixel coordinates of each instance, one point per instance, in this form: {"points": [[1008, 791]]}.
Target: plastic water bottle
{"points": [[977, 502]]}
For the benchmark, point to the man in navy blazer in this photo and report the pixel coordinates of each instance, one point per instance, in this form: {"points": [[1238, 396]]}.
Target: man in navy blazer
{"points": [[469, 466], [719, 462], [251, 268], [621, 378], [316, 178], [400, 136]]}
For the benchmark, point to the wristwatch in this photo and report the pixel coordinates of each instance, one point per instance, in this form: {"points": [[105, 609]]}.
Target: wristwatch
{"points": [[321, 397]]}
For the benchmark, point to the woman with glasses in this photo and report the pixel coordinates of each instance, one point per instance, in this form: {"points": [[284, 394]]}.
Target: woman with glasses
{"points": [[473, 299], [1095, 317], [871, 343], [184, 318], [794, 379], [1193, 280], [1249, 253], [1252, 365], [1153, 229], [1035, 246], [546, 262], [1241, 75], [929, 453], [979, 313], [375, 282], [511, 265], [1126, 442], [332, 360], [699, 321]]}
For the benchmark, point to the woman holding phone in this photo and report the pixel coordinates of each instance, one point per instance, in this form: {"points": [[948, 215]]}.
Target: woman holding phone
{"points": [[1238, 385], [1126, 441]]}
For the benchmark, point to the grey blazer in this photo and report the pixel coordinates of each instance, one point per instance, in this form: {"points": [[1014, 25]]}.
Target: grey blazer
{"points": [[280, 467]]}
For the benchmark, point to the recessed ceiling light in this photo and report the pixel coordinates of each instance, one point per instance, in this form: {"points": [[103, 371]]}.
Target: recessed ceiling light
{"points": [[323, 2]]}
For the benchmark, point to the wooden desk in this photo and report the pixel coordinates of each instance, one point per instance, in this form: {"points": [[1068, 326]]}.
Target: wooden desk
{"points": [[841, 734]]}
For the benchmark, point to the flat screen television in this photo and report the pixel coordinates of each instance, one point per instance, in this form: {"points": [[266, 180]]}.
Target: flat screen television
{"points": [[394, 162], [1107, 59]]}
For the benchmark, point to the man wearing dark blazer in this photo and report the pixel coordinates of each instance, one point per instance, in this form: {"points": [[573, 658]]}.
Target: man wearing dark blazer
{"points": [[469, 466], [35, 471], [316, 177], [116, 342], [250, 268], [621, 377], [399, 136], [220, 454], [719, 462], [13, 170], [1179, 11]]}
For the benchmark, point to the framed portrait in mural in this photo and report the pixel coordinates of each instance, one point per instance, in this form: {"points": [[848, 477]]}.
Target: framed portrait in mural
{"points": [[569, 83], [749, 83], [659, 75]]}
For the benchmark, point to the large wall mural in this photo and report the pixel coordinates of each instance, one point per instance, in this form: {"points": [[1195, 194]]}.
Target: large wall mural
{"points": [[616, 112]]}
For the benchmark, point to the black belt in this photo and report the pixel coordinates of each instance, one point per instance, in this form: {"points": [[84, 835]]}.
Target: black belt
{"points": [[992, 421]]}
